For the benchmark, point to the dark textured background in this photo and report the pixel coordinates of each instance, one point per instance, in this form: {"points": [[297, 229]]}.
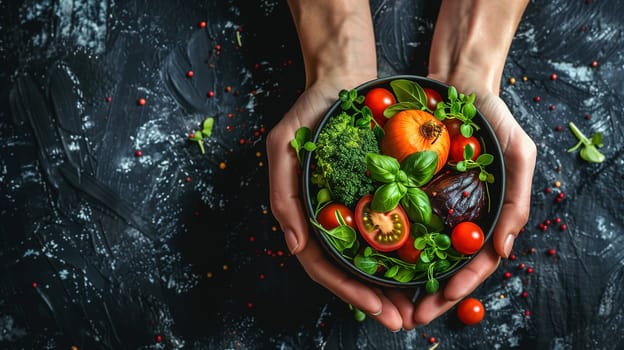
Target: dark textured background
{"points": [[103, 249]]}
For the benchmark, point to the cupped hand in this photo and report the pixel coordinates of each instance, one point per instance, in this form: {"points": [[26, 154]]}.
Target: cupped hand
{"points": [[519, 152], [286, 205]]}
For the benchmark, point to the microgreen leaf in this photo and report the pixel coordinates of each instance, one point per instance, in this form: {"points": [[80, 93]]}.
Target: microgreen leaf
{"points": [[588, 147], [302, 142]]}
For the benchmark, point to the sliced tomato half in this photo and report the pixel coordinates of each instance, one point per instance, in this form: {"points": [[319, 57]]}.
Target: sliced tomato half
{"points": [[384, 232]]}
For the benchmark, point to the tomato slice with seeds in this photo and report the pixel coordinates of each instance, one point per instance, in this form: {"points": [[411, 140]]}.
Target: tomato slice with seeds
{"points": [[384, 232]]}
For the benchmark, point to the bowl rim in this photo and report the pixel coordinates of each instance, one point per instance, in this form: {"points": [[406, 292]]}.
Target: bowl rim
{"points": [[495, 211]]}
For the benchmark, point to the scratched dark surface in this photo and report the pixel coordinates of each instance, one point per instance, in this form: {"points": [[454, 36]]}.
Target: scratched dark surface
{"points": [[103, 248]]}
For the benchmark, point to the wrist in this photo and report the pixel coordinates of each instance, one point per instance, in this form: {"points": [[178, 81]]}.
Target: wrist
{"points": [[471, 42], [337, 40]]}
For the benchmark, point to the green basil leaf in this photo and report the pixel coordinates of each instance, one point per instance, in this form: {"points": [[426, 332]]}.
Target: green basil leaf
{"points": [[468, 152], [391, 272], [442, 266], [404, 275], [387, 197], [485, 159], [420, 243], [342, 237], [367, 264], [382, 168], [591, 154], [469, 110], [436, 224], [420, 167], [443, 241], [417, 205], [452, 93], [465, 129], [432, 285], [440, 254], [390, 111], [409, 91], [461, 166]]}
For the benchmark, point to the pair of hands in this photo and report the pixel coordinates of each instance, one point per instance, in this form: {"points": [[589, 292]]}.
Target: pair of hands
{"points": [[394, 308]]}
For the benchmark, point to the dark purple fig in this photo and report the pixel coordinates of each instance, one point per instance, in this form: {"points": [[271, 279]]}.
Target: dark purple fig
{"points": [[457, 196]]}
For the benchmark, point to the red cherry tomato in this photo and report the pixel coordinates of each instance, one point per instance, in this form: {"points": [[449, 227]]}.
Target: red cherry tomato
{"points": [[467, 237], [407, 252], [470, 311], [433, 97], [453, 126], [459, 144], [377, 99], [384, 232], [328, 218]]}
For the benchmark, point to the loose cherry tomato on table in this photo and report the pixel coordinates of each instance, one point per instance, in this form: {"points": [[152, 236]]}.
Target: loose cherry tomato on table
{"points": [[433, 98], [384, 232], [408, 252], [467, 237], [459, 144], [470, 311], [377, 99], [328, 218]]}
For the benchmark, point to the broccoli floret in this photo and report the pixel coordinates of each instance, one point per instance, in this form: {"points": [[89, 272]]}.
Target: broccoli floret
{"points": [[340, 155]]}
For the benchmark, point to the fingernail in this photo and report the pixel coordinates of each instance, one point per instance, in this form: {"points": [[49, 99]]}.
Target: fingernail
{"points": [[509, 242], [398, 330], [291, 241], [377, 313]]}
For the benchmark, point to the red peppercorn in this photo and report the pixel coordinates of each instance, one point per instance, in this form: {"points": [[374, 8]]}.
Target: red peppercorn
{"points": [[138, 153], [594, 64], [525, 294], [202, 24], [521, 266], [211, 93], [553, 76], [563, 227], [507, 274], [432, 340], [141, 102], [530, 270], [551, 252], [190, 74], [552, 107], [537, 98], [109, 99]]}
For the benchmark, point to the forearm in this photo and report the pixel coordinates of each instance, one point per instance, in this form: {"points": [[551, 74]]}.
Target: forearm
{"points": [[336, 37], [472, 39]]}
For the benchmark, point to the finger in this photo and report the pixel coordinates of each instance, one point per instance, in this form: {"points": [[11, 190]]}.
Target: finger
{"points": [[463, 283], [466, 280], [348, 289], [284, 185], [403, 300], [519, 166]]}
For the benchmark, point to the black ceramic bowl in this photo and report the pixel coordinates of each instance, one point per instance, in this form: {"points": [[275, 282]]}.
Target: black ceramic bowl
{"points": [[487, 220]]}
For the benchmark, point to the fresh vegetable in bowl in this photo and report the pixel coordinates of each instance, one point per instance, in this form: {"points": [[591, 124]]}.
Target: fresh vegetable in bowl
{"points": [[403, 180]]}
